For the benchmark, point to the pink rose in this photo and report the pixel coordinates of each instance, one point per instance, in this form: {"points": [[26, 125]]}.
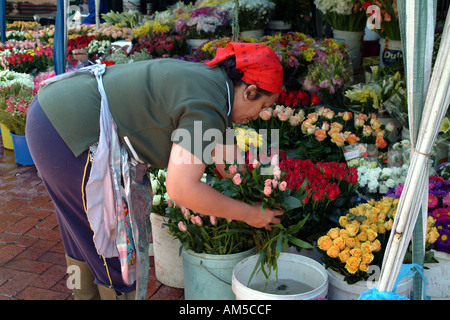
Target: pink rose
{"points": [[212, 219], [277, 172], [232, 169], [182, 226], [282, 186], [237, 179], [266, 114], [267, 190]]}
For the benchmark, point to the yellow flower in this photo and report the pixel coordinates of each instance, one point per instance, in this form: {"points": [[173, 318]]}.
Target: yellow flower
{"points": [[344, 255], [350, 242], [356, 252], [333, 251], [371, 235], [362, 236], [343, 220], [363, 267], [339, 242], [367, 258], [352, 229], [376, 245], [344, 234], [352, 264], [366, 247], [324, 243], [333, 233]]}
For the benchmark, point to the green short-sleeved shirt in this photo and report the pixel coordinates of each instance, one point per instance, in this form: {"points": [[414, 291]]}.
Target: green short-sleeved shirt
{"points": [[148, 100]]}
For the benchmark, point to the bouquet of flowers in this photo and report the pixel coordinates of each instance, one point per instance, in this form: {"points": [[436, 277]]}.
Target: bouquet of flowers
{"points": [[32, 60], [14, 103], [371, 97], [203, 23], [253, 14], [438, 211], [361, 238], [330, 188], [330, 78], [345, 15], [376, 182], [161, 199], [160, 44], [387, 18]]}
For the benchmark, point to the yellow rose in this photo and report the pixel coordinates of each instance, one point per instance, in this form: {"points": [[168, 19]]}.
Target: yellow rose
{"points": [[339, 242], [432, 236], [352, 264], [333, 233], [362, 236], [324, 243], [333, 251], [356, 252], [374, 227], [388, 224], [352, 229], [381, 228], [363, 267], [363, 228], [371, 235], [344, 255], [376, 245], [350, 242], [344, 234], [366, 247], [367, 258], [343, 221]]}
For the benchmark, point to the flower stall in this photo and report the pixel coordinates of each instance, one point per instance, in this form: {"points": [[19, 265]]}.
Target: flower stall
{"points": [[334, 152]]}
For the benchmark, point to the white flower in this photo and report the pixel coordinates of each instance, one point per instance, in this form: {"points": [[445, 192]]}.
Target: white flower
{"points": [[372, 185], [390, 183], [156, 200]]}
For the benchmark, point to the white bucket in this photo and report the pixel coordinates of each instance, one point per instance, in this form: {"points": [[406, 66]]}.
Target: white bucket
{"points": [[339, 289], [299, 278], [390, 51], [354, 41], [438, 277], [166, 250]]}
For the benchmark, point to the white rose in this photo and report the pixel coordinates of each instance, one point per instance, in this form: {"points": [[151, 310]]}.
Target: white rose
{"points": [[156, 200]]}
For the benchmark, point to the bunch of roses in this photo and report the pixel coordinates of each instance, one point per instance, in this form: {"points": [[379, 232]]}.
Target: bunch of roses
{"points": [[78, 42], [160, 44], [372, 131], [329, 188], [361, 238], [32, 60]]}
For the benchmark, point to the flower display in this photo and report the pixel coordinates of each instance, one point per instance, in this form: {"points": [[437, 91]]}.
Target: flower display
{"points": [[386, 16], [345, 15], [161, 199], [329, 78], [376, 182], [438, 210], [159, 44], [329, 187], [203, 23], [253, 14], [31, 59], [361, 238], [371, 97]]}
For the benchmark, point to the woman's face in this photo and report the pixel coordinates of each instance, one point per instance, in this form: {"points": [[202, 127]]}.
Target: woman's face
{"points": [[244, 108]]}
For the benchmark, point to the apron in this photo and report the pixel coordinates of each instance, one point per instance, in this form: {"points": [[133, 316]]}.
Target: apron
{"points": [[118, 196]]}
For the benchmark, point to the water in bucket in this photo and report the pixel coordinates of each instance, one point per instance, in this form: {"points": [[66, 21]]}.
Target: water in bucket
{"points": [[282, 287]]}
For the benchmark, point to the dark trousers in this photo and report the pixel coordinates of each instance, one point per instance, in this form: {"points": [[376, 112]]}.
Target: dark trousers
{"points": [[65, 177]]}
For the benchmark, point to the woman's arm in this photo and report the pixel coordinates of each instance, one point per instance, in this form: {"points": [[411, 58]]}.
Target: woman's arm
{"points": [[185, 189]]}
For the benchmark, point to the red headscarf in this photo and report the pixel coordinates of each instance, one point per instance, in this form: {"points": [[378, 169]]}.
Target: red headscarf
{"points": [[260, 65]]}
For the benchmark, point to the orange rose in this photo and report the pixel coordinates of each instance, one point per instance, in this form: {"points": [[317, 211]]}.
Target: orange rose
{"points": [[352, 264], [344, 255], [344, 234], [350, 242], [362, 236], [367, 131], [380, 142], [333, 233], [363, 267], [324, 243], [366, 247], [333, 251], [371, 235], [338, 139], [376, 246], [352, 229], [352, 139], [356, 252], [367, 258], [339, 242], [347, 115], [320, 134]]}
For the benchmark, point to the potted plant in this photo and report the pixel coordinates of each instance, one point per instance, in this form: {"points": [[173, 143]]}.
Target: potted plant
{"points": [[348, 19]]}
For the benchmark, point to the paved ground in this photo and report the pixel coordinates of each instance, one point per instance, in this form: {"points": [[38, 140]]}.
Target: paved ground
{"points": [[32, 262]]}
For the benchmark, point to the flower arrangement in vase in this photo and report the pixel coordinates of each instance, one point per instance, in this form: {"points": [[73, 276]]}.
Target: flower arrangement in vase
{"points": [[345, 15]]}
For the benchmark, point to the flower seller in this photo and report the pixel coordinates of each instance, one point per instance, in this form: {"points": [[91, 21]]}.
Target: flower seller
{"points": [[93, 133]]}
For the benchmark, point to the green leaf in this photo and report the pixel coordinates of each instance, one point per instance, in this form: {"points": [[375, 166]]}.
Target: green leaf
{"points": [[296, 227], [292, 203], [299, 243]]}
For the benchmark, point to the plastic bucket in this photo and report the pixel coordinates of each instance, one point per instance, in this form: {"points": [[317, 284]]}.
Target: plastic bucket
{"points": [[6, 137], [166, 251], [390, 52], [438, 277], [299, 278], [21, 151], [339, 289], [208, 276], [354, 41]]}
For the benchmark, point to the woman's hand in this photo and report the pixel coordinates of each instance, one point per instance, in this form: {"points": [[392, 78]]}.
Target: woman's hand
{"points": [[257, 219]]}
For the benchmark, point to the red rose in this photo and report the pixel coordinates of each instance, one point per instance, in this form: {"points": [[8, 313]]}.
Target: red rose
{"points": [[315, 99]]}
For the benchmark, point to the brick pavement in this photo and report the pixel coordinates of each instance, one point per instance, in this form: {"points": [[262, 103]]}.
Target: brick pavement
{"points": [[32, 261]]}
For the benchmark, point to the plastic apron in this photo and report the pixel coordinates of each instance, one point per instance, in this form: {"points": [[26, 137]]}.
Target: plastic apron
{"points": [[118, 214]]}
